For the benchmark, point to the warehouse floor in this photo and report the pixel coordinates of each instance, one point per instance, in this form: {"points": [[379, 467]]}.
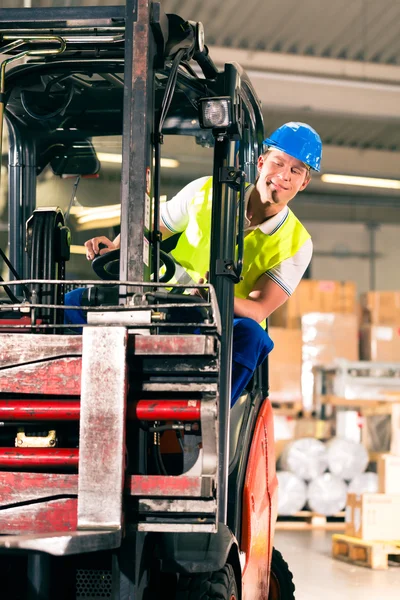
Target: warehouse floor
{"points": [[317, 575]]}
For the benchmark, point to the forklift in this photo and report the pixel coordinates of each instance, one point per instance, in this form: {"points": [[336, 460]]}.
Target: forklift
{"points": [[124, 473]]}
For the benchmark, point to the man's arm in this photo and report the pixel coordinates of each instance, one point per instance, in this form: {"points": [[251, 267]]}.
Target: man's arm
{"points": [[174, 219], [266, 297], [92, 246], [275, 287]]}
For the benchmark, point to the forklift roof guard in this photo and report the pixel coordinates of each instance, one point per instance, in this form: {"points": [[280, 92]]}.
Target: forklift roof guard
{"points": [[60, 94]]}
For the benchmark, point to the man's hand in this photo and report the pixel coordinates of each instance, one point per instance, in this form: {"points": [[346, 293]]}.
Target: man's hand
{"points": [[92, 246], [203, 293], [266, 297]]}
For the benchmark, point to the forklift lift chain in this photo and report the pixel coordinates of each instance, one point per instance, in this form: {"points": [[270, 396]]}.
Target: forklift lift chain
{"points": [[48, 248]]}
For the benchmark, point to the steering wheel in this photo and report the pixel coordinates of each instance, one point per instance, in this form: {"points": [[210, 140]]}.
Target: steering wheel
{"points": [[106, 266]]}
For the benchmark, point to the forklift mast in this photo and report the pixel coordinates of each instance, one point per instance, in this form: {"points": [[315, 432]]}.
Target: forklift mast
{"points": [[85, 486]]}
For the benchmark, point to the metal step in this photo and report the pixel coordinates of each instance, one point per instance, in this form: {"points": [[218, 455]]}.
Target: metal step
{"points": [[62, 544]]}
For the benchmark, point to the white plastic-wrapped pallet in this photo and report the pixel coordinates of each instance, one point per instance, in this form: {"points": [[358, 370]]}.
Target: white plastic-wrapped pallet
{"points": [[307, 458], [364, 483], [292, 493], [346, 459], [327, 494]]}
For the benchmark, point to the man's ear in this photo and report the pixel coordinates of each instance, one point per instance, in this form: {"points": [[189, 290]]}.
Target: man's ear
{"points": [[260, 163], [306, 182]]}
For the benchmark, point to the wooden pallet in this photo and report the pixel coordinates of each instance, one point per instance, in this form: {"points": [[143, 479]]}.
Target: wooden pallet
{"points": [[374, 555], [306, 519]]}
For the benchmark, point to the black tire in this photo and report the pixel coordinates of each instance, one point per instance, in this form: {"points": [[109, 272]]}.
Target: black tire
{"points": [[281, 585], [219, 585]]}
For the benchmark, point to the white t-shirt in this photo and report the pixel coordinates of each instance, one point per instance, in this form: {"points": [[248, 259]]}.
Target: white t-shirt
{"points": [[288, 274]]}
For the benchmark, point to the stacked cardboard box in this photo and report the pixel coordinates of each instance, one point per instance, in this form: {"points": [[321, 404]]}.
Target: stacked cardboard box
{"points": [[326, 337], [380, 343], [314, 428], [327, 313], [389, 474], [317, 324], [285, 365], [373, 517], [314, 295], [380, 308], [380, 328]]}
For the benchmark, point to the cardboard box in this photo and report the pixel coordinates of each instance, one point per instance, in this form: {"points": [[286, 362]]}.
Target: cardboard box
{"points": [[314, 295], [373, 516], [326, 337], [380, 308], [285, 365], [315, 428], [380, 343], [389, 474]]}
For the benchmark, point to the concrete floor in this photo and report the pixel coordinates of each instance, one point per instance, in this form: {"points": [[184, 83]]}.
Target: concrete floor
{"points": [[318, 576]]}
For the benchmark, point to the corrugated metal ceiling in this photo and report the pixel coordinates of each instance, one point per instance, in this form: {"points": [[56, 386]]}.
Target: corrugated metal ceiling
{"points": [[360, 30], [363, 30], [336, 131]]}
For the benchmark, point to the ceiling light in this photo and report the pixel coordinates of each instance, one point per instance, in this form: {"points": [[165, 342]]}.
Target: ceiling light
{"points": [[393, 184], [169, 163], [82, 211], [99, 216], [109, 157], [98, 224]]}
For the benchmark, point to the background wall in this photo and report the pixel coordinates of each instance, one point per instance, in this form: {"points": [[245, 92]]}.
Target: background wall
{"points": [[345, 239]]}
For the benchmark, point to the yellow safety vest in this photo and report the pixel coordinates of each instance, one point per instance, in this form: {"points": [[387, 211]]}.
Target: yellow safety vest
{"points": [[262, 252]]}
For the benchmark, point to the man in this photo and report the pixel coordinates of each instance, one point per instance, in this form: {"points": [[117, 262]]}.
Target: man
{"points": [[277, 248]]}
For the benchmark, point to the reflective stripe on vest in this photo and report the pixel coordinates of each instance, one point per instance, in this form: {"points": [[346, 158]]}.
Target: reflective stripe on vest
{"points": [[262, 252]]}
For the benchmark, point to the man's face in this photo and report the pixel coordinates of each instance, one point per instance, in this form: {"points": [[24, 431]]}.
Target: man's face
{"points": [[280, 178]]}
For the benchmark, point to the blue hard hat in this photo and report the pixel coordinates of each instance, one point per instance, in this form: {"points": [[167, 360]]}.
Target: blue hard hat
{"points": [[300, 141]]}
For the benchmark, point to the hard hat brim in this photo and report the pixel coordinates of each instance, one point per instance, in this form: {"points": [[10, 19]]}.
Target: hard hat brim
{"points": [[271, 144]]}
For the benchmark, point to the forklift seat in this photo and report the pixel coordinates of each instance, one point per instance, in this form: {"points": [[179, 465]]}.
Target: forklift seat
{"points": [[236, 420]]}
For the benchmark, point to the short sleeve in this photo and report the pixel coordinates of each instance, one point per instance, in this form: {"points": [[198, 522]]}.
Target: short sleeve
{"points": [[289, 272], [175, 212]]}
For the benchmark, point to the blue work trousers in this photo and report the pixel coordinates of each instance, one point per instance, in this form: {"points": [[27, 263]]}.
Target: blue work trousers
{"points": [[251, 343]]}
